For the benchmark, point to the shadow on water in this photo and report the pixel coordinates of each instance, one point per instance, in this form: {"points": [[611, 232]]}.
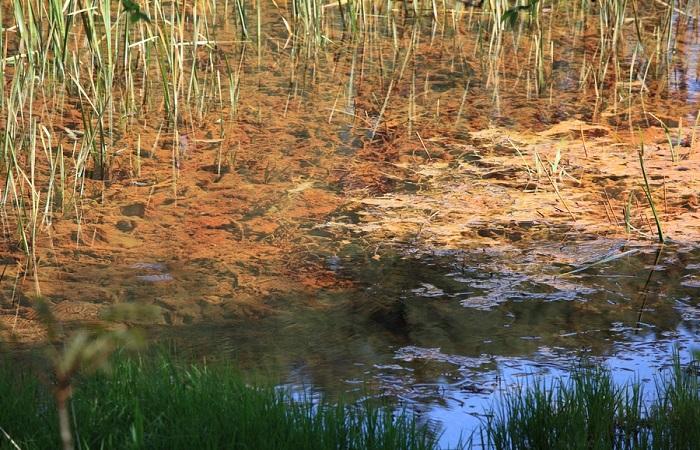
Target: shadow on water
{"points": [[408, 330], [441, 331]]}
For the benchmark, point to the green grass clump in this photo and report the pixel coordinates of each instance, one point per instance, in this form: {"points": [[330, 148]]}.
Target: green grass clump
{"points": [[158, 404], [589, 411]]}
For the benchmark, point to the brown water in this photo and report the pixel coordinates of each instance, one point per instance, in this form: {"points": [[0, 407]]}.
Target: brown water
{"points": [[417, 250]]}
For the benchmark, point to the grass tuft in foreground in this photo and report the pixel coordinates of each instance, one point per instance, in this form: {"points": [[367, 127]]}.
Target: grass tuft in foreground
{"points": [[158, 404], [589, 411], [155, 403]]}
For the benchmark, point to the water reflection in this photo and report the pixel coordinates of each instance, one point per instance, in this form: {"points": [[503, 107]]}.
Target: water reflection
{"points": [[407, 330], [440, 331]]}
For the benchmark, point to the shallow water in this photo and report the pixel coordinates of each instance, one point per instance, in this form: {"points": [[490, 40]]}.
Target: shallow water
{"points": [[415, 251], [408, 331]]}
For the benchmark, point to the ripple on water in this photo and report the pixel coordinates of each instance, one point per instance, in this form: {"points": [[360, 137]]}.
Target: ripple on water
{"points": [[412, 353]]}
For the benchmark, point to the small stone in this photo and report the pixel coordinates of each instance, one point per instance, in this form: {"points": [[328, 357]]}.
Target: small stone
{"points": [[126, 225], [134, 210]]}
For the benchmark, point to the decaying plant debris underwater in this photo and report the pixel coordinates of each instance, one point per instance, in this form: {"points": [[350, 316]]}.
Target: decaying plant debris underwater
{"points": [[418, 195]]}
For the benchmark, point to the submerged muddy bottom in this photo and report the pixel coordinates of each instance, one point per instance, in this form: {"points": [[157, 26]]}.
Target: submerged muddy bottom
{"points": [[403, 214], [443, 333]]}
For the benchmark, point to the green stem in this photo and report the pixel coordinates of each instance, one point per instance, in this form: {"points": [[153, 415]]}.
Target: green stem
{"points": [[647, 192]]}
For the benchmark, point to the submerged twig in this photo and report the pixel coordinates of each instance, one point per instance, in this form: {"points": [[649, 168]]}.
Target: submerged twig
{"points": [[603, 260]]}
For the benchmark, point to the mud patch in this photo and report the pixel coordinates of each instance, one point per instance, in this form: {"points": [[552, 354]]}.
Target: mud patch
{"points": [[566, 187]]}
